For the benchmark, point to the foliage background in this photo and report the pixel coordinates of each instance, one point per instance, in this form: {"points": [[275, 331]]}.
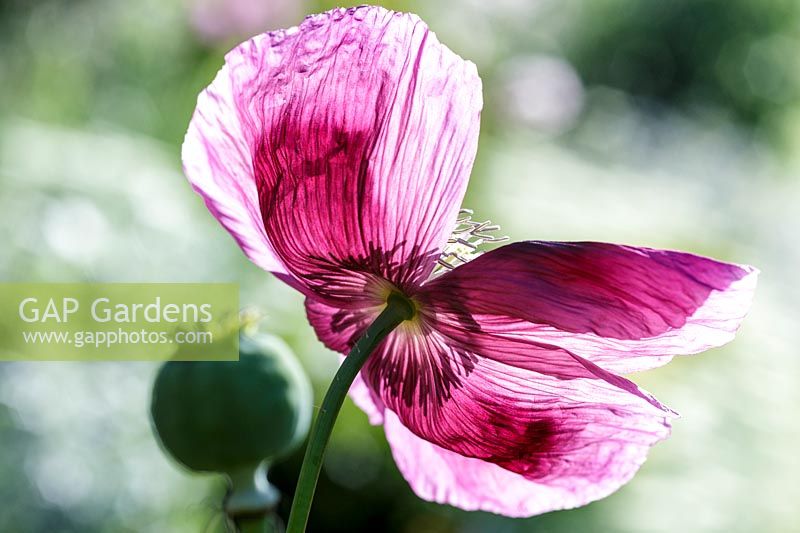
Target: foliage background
{"points": [[669, 124]]}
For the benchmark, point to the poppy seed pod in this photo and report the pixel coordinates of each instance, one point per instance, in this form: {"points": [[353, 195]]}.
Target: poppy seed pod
{"points": [[229, 416]]}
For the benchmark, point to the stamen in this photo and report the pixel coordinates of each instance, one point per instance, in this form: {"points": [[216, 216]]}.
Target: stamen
{"points": [[465, 242]]}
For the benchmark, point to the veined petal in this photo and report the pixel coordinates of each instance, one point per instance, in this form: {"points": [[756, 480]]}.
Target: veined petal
{"points": [[358, 129], [439, 475], [339, 329], [365, 146], [570, 441], [217, 160], [622, 308]]}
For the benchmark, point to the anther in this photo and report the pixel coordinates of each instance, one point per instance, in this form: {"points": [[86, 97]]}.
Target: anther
{"points": [[464, 244]]}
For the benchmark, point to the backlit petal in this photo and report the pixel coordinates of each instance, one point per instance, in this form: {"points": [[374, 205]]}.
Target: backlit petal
{"points": [[218, 162], [358, 129], [578, 439], [439, 475], [623, 308]]}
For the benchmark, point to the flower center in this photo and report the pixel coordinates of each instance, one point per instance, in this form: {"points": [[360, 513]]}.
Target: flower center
{"points": [[465, 242], [403, 304]]}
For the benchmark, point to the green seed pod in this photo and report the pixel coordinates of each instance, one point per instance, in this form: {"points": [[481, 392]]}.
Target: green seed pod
{"points": [[229, 416]]}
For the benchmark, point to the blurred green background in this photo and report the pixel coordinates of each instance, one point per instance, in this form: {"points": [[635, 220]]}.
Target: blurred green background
{"points": [[663, 123]]}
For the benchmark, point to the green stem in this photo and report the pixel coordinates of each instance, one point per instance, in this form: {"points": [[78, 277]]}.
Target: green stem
{"points": [[398, 308], [258, 524], [252, 501]]}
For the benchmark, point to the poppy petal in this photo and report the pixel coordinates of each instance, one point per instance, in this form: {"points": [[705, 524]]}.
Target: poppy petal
{"points": [[622, 308], [218, 163], [439, 475], [579, 439], [361, 129]]}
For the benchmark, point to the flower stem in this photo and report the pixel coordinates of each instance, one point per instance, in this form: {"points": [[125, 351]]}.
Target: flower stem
{"points": [[398, 308], [252, 500]]}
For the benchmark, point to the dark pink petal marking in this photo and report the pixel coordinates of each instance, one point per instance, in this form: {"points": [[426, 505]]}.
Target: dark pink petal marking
{"points": [[579, 439], [623, 308], [336, 328], [439, 475], [358, 129]]}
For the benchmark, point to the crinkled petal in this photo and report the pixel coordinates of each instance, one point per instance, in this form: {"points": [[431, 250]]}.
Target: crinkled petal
{"points": [[439, 475], [623, 308], [358, 129], [577, 439], [218, 162]]}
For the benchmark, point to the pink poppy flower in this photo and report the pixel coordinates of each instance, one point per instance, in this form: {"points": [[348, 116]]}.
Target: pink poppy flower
{"points": [[337, 154]]}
